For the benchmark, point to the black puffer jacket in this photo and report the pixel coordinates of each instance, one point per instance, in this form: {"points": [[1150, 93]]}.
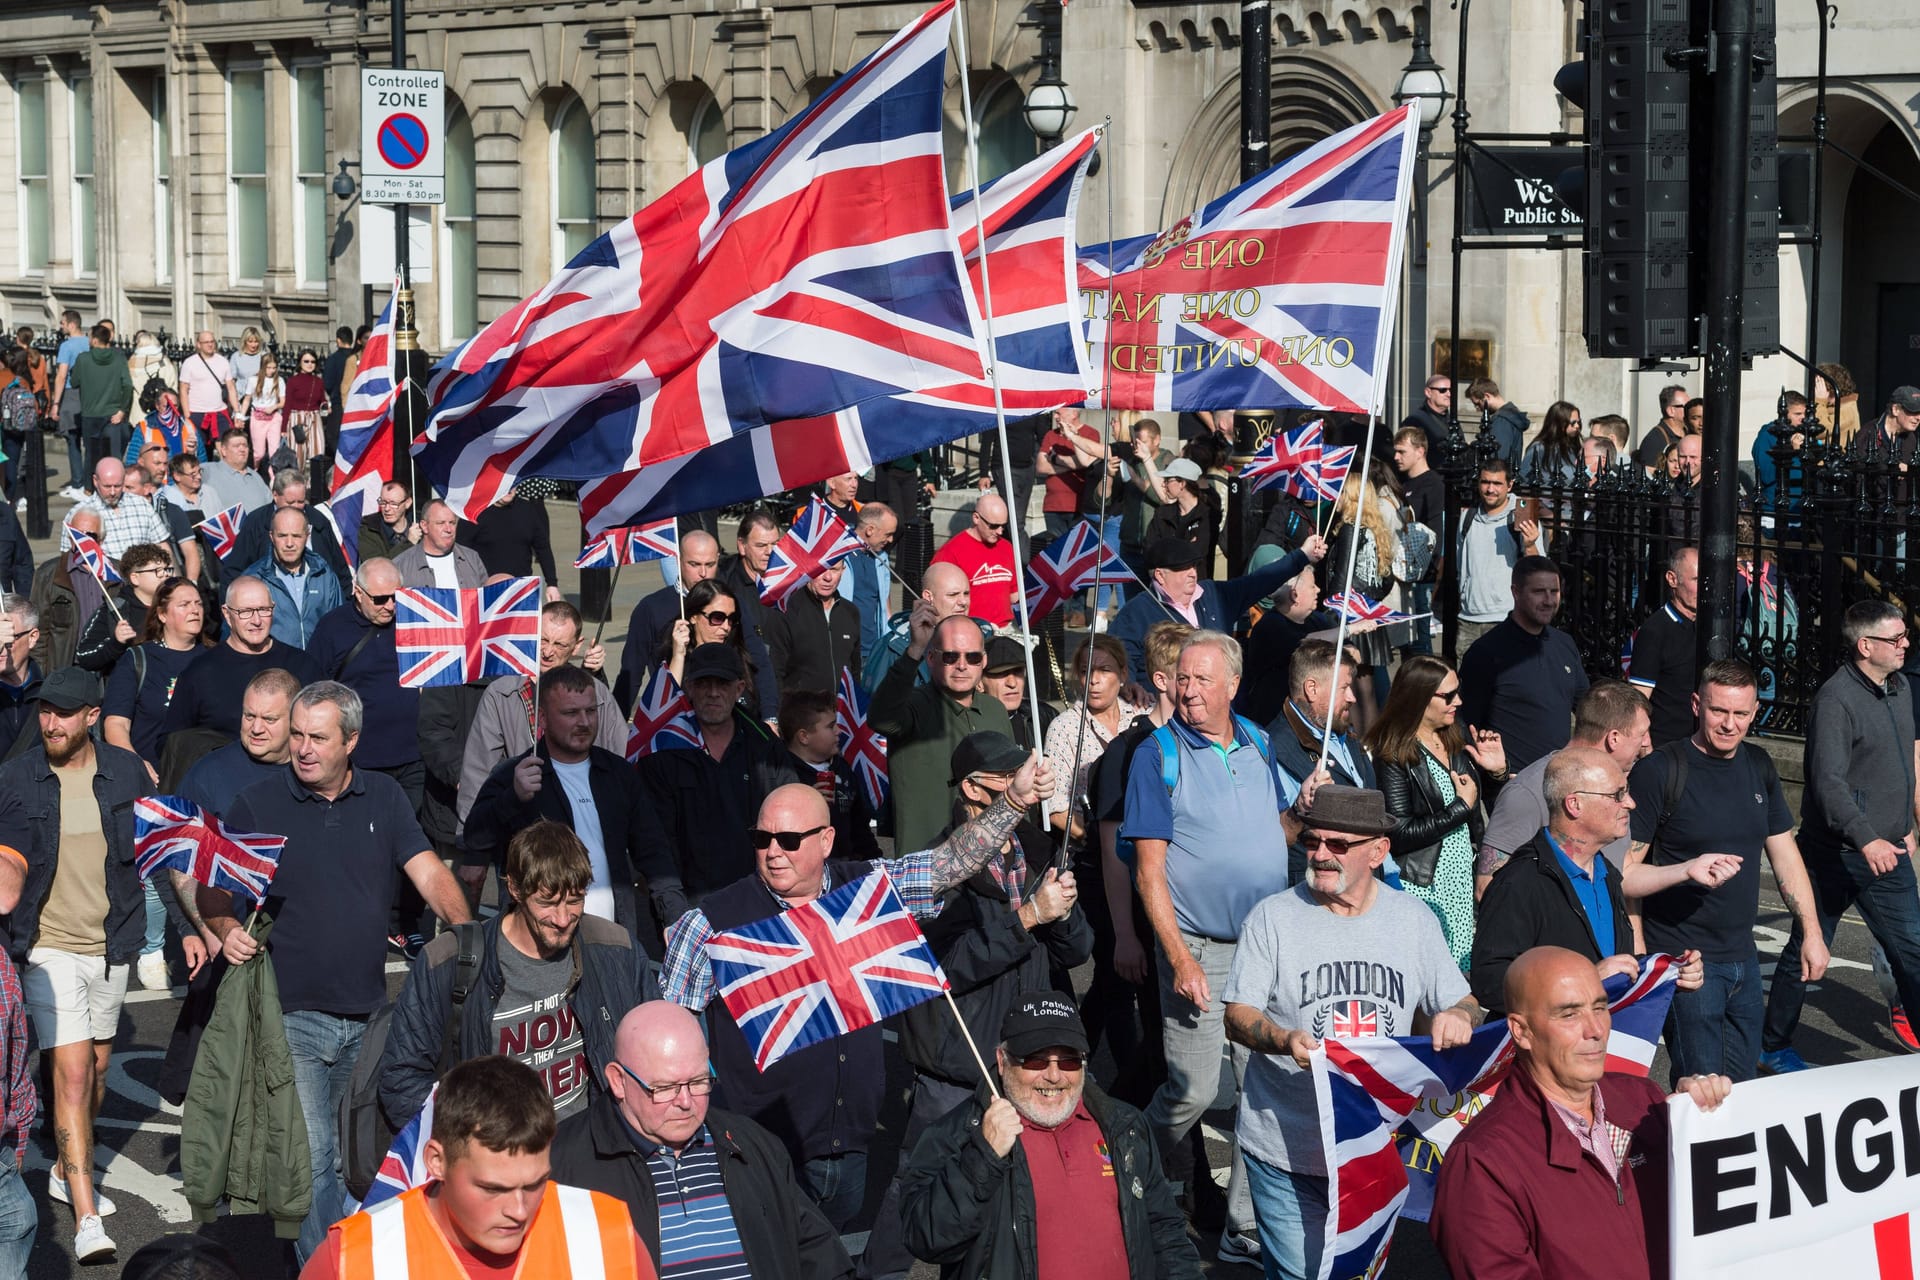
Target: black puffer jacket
{"points": [[1531, 903], [1425, 819], [972, 1212]]}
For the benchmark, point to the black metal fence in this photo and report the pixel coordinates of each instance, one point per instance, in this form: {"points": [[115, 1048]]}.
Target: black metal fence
{"points": [[1831, 529]]}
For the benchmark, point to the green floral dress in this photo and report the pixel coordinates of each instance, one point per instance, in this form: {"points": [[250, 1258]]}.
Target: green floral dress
{"points": [[1451, 893]]}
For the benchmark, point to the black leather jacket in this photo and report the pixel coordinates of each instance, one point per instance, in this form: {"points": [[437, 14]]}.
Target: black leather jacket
{"points": [[1425, 819]]}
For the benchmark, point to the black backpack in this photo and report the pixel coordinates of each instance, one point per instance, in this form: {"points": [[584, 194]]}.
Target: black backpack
{"points": [[1676, 786], [364, 1132]]}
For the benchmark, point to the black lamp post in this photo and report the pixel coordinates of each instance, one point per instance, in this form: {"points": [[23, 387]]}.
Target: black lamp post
{"points": [[1049, 107], [1423, 83]]}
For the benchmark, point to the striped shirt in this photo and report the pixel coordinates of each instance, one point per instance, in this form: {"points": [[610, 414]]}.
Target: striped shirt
{"points": [[698, 1236]]}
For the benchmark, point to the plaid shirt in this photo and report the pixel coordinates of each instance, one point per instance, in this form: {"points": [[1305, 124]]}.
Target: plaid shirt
{"points": [[1600, 1140], [22, 1104], [687, 978], [126, 523]]}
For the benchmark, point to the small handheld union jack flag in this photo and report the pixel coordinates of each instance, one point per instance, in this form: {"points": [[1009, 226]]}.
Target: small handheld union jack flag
{"points": [[817, 541], [863, 747], [1069, 567], [659, 540], [173, 832], [1324, 479], [844, 961], [447, 637], [1285, 455], [405, 1164], [1360, 609], [87, 551], [223, 529], [662, 718]]}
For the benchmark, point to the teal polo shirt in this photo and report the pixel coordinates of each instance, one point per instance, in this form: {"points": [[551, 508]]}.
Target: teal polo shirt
{"points": [[1225, 846]]}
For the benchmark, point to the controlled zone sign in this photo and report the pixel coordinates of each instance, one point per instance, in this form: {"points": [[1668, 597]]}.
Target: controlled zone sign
{"points": [[1816, 1173], [403, 117]]}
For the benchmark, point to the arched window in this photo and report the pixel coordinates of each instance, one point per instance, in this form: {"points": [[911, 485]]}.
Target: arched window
{"points": [[686, 129], [707, 138], [459, 238], [999, 130], [572, 168]]}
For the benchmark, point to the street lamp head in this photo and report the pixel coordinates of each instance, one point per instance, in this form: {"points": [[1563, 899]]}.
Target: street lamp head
{"points": [[343, 185], [1423, 82], [1049, 108]]}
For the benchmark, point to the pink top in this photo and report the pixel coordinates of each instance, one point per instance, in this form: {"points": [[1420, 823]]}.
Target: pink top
{"points": [[203, 382]]}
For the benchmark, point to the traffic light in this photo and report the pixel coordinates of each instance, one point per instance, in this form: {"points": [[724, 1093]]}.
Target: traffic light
{"points": [[1643, 85]]}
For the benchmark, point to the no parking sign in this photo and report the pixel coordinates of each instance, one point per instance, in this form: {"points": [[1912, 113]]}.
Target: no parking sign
{"points": [[402, 136]]}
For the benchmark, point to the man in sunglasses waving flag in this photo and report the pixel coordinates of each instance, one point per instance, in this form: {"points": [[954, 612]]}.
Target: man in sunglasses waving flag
{"points": [[823, 1101]]}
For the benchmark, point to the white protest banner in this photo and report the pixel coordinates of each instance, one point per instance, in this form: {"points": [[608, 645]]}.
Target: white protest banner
{"points": [[1811, 1174]]}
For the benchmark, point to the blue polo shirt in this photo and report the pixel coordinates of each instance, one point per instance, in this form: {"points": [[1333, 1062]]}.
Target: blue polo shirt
{"points": [[330, 898], [1591, 889], [1225, 846]]}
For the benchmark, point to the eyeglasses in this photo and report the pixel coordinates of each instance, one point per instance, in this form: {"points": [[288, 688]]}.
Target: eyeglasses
{"points": [[1041, 1061], [1448, 695], [1896, 641], [954, 657], [698, 1087], [789, 840], [1618, 797], [1312, 840], [152, 568], [264, 611], [719, 618]]}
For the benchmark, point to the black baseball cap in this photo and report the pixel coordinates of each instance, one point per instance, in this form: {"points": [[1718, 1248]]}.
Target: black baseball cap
{"points": [[988, 751], [1173, 553], [714, 661], [1906, 399], [1042, 1020], [70, 689]]}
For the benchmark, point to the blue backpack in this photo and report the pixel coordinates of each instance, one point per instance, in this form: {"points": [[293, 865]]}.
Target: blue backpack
{"points": [[1170, 768]]}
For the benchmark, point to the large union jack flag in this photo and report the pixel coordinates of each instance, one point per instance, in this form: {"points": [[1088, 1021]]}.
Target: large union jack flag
{"points": [[817, 541], [223, 529], [88, 554], [1069, 566], [1041, 359], [1375, 1127], [807, 271], [1278, 295], [662, 718], [659, 540], [839, 963], [172, 832], [447, 637], [363, 453], [862, 746], [1285, 455]]}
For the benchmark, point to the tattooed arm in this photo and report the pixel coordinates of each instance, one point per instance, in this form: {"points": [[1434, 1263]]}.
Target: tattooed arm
{"points": [[922, 877], [1796, 890], [1249, 1026]]}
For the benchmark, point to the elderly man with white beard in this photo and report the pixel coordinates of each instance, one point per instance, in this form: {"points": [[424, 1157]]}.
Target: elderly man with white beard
{"points": [[1045, 1176]]}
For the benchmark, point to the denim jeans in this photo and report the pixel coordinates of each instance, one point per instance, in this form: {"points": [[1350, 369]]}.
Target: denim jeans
{"points": [[1716, 1030], [1292, 1210], [838, 1185], [1203, 1069], [156, 936], [1890, 904], [324, 1049], [1114, 595], [19, 1219]]}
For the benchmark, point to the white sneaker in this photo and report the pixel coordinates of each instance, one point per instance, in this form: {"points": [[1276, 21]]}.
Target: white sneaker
{"points": [[1099, 622], [73, 493], [91, 1240], [152, 969], [20, 506], [57, 1190]]}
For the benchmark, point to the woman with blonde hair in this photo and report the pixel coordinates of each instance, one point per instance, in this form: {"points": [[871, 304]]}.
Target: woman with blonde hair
{"points": [[149, 360], [1380, 525], [245, 364], [268, 401]]}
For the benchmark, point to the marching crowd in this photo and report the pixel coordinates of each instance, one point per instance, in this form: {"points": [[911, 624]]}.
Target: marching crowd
{"points": [[1233, 838]]}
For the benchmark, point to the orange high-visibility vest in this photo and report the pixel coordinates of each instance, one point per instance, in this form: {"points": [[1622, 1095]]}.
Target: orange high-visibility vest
{"points": [[576, 1235]]}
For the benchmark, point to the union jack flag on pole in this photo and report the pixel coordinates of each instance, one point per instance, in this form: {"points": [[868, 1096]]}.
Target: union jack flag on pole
{"points": [[662, 718], [817, 541], [1278, 295], [172, 832], [1360, 609], [405, 1164], [862, 746], [659, 540], [447, 637], [1284, 456], [1370, 1093], [844, 961], [89, 554], [369, 399], [1068, 567], [805, 272], [1324, 479], [1042, 361], [223, 530]]}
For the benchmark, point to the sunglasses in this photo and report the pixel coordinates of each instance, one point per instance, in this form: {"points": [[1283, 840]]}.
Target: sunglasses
{"points": [[789, 840], [1312, 840], [1041, 1061], [991, 524], [954, 657], [718, 618], [1448, 695], [374, 599]]}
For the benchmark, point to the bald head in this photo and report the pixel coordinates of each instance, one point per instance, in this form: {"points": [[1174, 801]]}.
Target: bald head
{"points": [[990, 518], [947, 587], [660, 1044], [1586, 797], [793, 807], [657, 1032], [799, 834], [699, 558], [1533, 979]]}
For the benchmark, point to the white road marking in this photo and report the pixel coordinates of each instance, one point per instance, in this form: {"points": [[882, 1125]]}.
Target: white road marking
{"points": [[1772, 941], [120, 1174]]}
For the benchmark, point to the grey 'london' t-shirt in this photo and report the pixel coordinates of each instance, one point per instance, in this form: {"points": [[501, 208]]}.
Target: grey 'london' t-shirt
{"points": [[1332, 976]]}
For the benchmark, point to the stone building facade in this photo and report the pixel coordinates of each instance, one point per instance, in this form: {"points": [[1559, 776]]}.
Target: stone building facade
{"points": [[172, 161]]}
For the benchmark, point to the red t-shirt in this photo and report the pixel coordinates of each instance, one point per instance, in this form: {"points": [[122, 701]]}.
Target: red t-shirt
{"points": [[990, 569], [1063, 491], [1076, 1199]]}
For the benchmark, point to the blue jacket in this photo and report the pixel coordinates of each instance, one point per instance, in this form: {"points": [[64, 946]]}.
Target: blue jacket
{"points": [[294, 621], [1766, 472], [865, 584], [1219, 607]]}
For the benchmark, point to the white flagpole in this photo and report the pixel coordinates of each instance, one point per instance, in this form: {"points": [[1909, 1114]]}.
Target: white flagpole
{"points": [[1014, 518], [1360, 463]]}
